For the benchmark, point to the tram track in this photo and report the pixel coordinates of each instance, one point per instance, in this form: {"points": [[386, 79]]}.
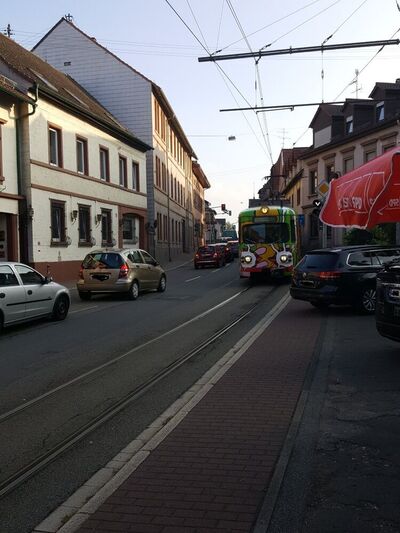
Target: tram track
{"points": [[30, 469]]}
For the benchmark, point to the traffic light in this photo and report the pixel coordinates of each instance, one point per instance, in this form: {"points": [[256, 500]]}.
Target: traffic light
{"points": [[223, 207]]}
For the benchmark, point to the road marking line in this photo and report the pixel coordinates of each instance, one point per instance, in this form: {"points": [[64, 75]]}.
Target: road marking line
{"points": [[192, 279], [84, 309]]}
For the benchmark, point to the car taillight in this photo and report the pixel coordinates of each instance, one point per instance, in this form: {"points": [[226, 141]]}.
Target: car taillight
{"points": [[215, 254], [197, 256], [123, 271], [328, 275], [81, 272]]}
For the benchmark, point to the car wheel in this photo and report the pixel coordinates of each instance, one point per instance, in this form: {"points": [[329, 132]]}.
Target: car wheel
{"points": [[162, 285], [367, 300], [196, 267], [60, 309], [320, 305], [133, 292], [85, 295]]}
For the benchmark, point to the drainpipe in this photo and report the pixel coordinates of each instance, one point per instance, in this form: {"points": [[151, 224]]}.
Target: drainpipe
{"points": [[25, 233]]}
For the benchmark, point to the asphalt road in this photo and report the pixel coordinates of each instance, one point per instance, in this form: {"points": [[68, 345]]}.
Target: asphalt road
{"points": [[130, 341]]}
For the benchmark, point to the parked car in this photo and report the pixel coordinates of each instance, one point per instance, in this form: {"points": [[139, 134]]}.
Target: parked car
{"points": [[120, 271], [26, 295], [209, 255], [388, 301], [227, 250], [234, 245], [343, 275]]}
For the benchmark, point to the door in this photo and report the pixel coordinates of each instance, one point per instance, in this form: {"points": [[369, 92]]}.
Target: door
{"points": [[153, 272], [140, 268], [39, 296], [12, 295]]}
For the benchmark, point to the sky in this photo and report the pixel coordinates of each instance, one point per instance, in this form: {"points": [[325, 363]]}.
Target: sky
{"points": [[163, 39]]}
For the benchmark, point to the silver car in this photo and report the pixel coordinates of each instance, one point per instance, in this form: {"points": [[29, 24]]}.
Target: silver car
{"points": [[25, 295], [126, 271]]}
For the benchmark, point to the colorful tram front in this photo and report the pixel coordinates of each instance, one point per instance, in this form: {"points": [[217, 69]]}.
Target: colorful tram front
{"points": [[267, 241]]}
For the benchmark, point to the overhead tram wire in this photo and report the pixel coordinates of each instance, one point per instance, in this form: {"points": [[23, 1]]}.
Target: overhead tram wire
{"points": [[267, 26], [222, 73], [366, 65], [264, 132]]}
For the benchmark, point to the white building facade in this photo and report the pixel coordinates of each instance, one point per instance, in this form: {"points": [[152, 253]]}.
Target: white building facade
{"points": [[81, 176], [143, 108]]}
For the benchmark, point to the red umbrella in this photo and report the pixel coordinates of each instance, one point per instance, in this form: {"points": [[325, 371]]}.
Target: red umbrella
{"points": [[366, 196]]}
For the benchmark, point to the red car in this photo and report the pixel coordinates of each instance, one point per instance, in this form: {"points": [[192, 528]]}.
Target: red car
{"points": [[209, 255]]}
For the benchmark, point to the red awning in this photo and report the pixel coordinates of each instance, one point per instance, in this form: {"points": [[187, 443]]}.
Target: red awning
{"points": [[366, 196]]}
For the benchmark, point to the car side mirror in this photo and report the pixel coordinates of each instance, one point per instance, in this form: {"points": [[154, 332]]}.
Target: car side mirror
{"points": [[47, 279]]}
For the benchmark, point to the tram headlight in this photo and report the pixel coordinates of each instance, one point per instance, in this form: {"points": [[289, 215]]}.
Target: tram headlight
{"points": [[285, 258], [247, 259]]}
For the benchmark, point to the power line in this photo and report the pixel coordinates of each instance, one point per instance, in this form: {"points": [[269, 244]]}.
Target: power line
{"points": [[268, 25], [221, 72]]}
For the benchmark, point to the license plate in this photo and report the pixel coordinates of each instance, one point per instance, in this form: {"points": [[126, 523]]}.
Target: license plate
{"points": [[100, 277]]}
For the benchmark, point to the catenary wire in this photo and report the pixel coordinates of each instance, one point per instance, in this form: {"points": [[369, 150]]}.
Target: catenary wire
{"points": [[222, 73], [267, 26], [264, 131]]}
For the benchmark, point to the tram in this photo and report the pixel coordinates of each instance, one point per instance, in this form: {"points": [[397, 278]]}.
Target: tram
{"points": [[268, 241]]}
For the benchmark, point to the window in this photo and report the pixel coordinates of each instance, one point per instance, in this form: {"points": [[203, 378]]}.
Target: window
{"points": [[7, 277], [57, 221], [129, 229], [28, 276], [104, 164], [165, 227], [348, 164], [298, 196], [84, 224], [164, 177], [123, 177], [148, 259], [266, 233], [135, 176], [106, 226], [55, 146], [82, 156], [313, 179], [158, 172], [380, 111], [159, 227], [135, 256], [329, 170], [349, 124], [370, 154]]}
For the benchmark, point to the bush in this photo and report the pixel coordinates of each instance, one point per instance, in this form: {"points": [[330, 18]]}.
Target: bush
{"points": [[384, 234]]}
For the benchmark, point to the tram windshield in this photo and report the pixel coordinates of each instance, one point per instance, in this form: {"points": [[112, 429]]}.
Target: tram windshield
{"points": [[266, 233]]}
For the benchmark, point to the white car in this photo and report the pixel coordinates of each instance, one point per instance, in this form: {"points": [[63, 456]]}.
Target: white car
{"points": [[25, 295]]}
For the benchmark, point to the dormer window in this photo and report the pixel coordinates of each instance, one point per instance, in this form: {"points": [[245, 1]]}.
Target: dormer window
{"points": [[380, 111], [349, 124]]}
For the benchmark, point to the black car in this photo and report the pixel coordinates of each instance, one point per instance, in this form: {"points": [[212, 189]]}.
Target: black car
{"points": [[388, 301], [343, 275]]}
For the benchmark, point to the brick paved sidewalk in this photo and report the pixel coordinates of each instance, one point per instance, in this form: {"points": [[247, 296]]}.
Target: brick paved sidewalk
{"points": [[211, 473]]}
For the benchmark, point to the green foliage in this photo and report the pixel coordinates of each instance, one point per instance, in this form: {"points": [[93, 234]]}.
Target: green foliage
{"points": [[384, 234]]}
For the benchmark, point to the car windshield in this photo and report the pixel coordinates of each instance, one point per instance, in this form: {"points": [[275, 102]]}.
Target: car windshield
{"points": [[205, 249], [322, 261], [266, 233], [103, 260]]}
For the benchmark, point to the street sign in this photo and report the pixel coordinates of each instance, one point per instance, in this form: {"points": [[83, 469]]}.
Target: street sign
{"points": [[323, 188], [301, 220], [317, 203]]}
